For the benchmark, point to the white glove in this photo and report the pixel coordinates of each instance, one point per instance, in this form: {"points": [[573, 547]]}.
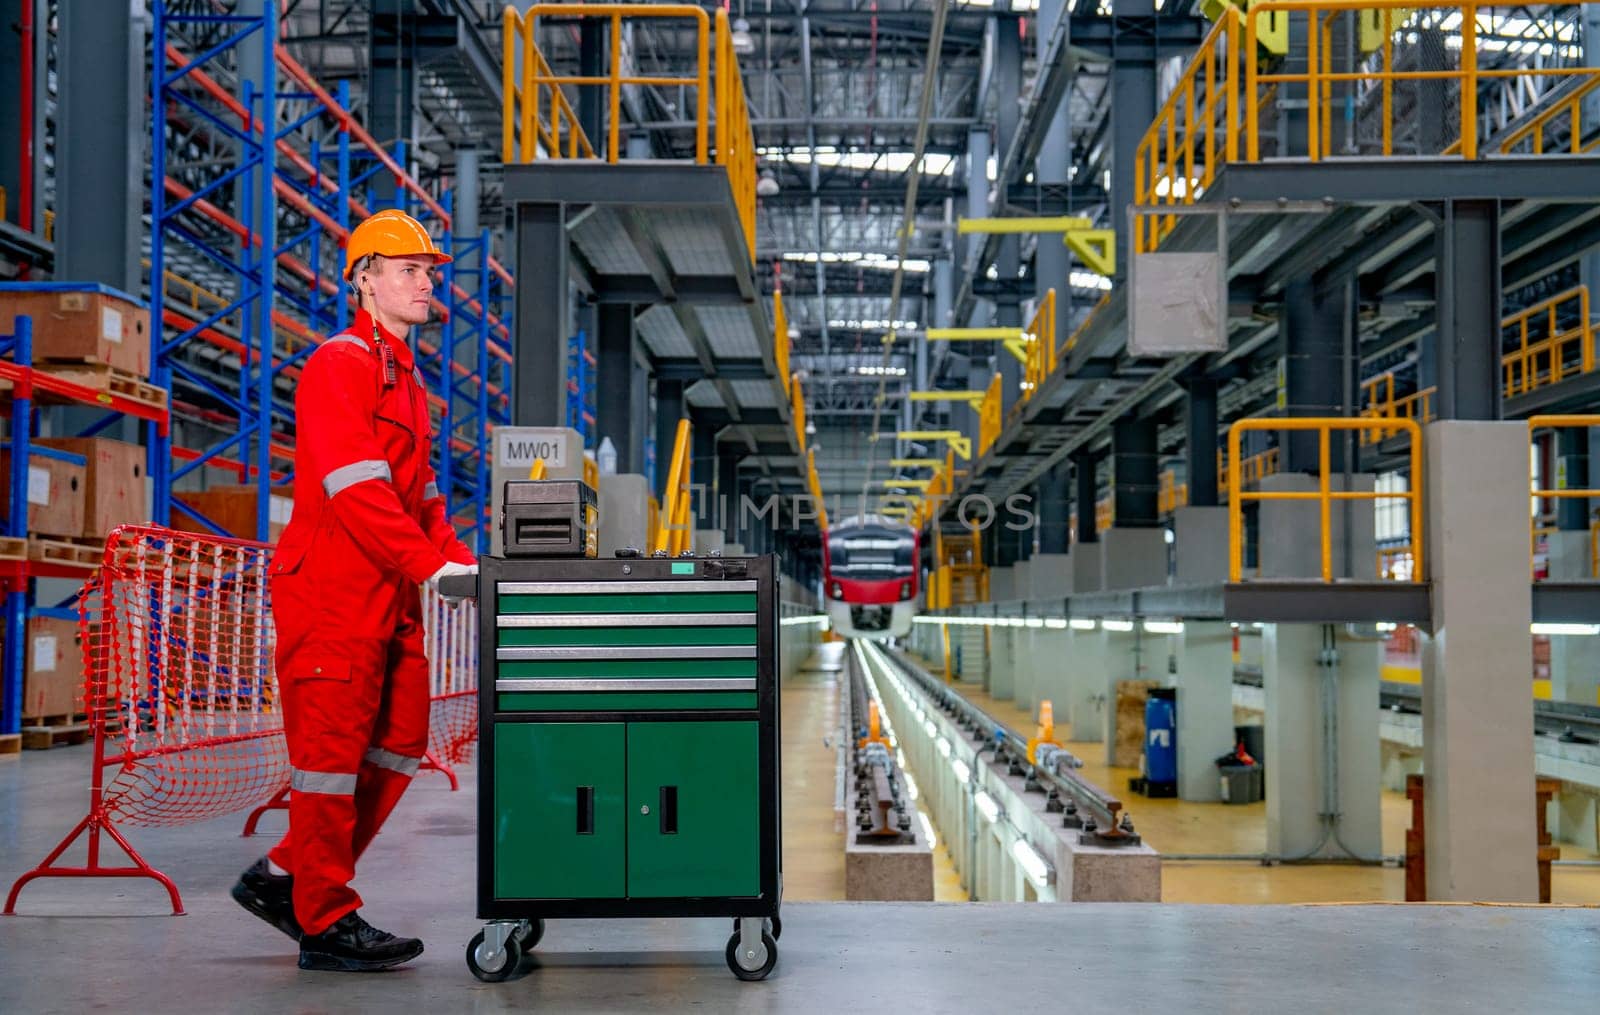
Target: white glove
{"points": [[452, 568]]}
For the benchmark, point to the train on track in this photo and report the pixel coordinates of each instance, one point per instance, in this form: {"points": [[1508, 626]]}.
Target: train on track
{"points": [[870, 576]]}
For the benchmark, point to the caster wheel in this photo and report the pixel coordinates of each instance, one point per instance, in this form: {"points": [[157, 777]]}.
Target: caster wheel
{"points": [[493, 968], [771, 924], [528, 941], [752, 967]]}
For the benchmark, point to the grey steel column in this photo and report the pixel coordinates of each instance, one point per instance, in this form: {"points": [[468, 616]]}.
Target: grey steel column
{"points": [[614, 383], [539, 359], [1133, 474], [703, 476], [1200, 422], [1467, 297], [1572, 451], [1053, 508], [669, 410], [1008, 263], [1085, 465], [1052, 265], [100, 146], [392, 88], [726, 503], [1589, 263], [977, 208], [1311, 345], [1133, 109]]}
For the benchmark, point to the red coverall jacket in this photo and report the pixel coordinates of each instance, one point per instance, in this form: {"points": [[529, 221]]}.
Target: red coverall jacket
{"points": [[368, 527]]}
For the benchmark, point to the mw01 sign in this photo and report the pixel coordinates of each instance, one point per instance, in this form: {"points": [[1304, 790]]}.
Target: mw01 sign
{"points": [[521, 446]]}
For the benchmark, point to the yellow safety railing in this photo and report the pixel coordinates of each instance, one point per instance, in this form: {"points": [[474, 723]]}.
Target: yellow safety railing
{"points": [[1324, 495], [1226, 100], [673, 533], [814, 484], [1395, 563], [1379, 402], [1256, 468], [1195, 132], [1105, 513], [531, 85], [1560, 422], [989, 416], [1531, 137], [1548, 353], [1039, 335], [797, 409], [1172, 494], [780, 340]]}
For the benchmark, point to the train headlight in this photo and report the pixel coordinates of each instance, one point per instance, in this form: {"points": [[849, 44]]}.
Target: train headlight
{"points": [[837, 591], [905, 590]]}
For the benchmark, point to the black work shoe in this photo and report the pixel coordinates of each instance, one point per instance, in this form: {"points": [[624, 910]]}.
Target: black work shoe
{"points": [[269, 896], [354, 945]]}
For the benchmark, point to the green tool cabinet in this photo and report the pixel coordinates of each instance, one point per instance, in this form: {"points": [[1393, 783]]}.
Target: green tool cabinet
{"points": [[629, 762]]}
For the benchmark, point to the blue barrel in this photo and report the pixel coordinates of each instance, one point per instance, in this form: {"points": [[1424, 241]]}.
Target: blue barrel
{"points": [[1161, 735]]}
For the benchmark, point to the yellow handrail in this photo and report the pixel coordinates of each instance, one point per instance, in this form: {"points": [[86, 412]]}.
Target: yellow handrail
{"points": [[797, 409], [1039, 335], [527, 81], [672, 532], [815, 485], [1522, 369], [989, 416], [1324, 494], [780, 340], [1226, 99], [1558, 422]]}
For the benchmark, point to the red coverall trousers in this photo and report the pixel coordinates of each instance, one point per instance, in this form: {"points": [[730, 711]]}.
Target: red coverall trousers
{"points": [[368, 527]]}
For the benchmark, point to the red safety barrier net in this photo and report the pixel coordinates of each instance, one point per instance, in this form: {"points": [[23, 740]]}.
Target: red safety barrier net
{"points": [[182, 698]]}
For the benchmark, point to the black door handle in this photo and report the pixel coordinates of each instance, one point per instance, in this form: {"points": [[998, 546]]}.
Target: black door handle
{"points": [[585, 810], [669, 810]]}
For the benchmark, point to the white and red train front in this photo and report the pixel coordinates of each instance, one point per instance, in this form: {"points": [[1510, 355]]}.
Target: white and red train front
{"points": [[870, 577]]}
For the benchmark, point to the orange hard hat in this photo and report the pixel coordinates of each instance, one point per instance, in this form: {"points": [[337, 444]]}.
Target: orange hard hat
{"points": [[391, 233]]}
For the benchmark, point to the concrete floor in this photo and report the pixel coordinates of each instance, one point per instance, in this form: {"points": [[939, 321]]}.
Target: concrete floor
{"points": [[110, 944]]}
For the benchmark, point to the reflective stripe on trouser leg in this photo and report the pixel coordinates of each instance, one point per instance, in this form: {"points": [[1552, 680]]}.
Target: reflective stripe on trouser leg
{"points": [[333, 783], [390, 760]]}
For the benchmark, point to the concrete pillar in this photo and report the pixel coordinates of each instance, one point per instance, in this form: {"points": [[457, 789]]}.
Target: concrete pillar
{"points": [[1574, 659], [1084, 703], [1132, 558], [1024, 667], [1477, 715], [1289, 533], [1303, 716], [1205, 706], [1200, 545], [1126, 658], [1002, 662]]}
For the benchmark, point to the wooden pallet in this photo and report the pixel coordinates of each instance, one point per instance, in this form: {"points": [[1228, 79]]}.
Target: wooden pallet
{"points": [[39, 738], [13, 549], [62, 551], [10, 746], [68, 719], [108, 379]]}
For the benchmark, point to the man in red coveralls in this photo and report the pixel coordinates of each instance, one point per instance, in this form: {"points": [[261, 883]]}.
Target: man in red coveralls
{"points": [[368, 528]]}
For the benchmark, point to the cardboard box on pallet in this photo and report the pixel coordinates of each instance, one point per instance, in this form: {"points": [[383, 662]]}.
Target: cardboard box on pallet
{"points": [[82, 324], [53, 687], [116, 493], [56, 495], [233, 508]]}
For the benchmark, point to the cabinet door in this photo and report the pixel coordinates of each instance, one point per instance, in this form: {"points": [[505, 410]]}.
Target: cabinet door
{"points": [[558, 811], [694, 821]]}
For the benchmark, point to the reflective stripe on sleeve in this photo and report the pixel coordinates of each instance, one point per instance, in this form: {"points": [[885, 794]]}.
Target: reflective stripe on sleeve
{"points": [[332, 783], [346, 476], [430, 492], [351, 339], [392, 761]]}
